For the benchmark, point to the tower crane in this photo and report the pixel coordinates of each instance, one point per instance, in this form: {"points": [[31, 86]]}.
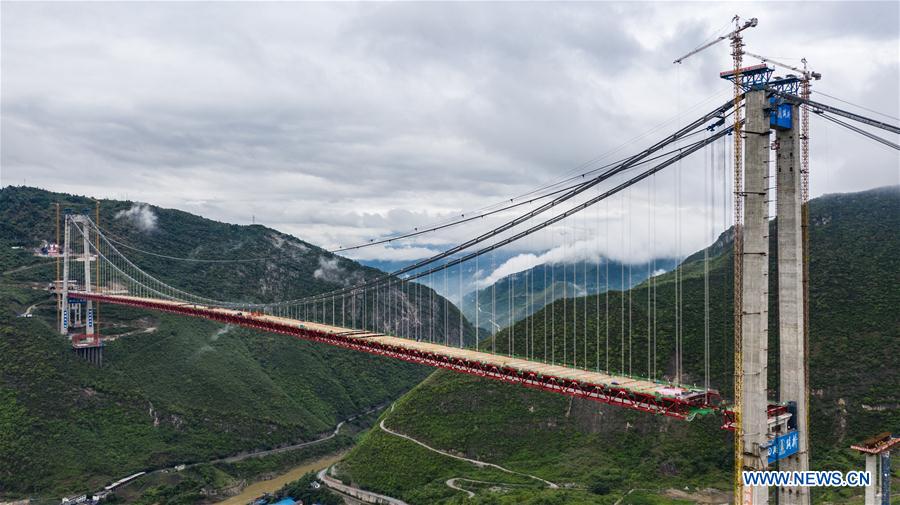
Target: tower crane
{"points": [[737, 53], [735, 33]]}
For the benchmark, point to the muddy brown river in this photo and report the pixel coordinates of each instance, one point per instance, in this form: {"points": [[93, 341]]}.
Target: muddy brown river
{"points": [[268, 486]]}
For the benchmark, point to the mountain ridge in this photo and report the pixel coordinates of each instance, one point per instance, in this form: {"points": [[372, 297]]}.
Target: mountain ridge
{"points": [[172, 389], [601, 451]]}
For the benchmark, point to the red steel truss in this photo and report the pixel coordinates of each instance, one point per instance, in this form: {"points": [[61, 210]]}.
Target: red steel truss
{"points": [[678, 408]]}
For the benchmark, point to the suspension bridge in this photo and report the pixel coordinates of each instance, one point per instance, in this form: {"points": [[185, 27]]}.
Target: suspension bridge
{"points": [[399, 315]]}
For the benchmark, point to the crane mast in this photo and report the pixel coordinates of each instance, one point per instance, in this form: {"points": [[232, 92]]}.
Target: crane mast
{"points": [[806, 77], [805, 92], [737, 53]]}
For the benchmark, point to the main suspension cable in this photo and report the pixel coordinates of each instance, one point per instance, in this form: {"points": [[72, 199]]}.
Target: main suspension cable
{"points": [[633, 161]]}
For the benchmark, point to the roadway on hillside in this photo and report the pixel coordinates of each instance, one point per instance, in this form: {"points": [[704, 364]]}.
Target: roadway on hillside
{"points": [[451, 483], [355, 493], [262, 453]]}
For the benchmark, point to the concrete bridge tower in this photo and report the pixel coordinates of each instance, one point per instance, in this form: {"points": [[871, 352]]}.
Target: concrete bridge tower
{"points": [[754, 290], [82, 225], [793, 357]]}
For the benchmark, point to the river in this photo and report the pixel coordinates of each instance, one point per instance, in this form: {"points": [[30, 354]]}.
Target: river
{"points": [[268, 486]]}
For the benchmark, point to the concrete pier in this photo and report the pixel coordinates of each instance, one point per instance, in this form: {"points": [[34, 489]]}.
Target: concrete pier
{"points": [[64, 288], [792, 361], [755, 317], [873, 490]]}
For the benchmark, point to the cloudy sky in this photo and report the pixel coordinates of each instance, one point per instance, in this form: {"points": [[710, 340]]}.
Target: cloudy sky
{"points": [[343, 122]]}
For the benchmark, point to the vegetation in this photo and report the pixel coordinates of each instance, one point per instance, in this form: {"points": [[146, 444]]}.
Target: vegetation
{"points": [[519, 295], [193, 484], [172, 390], [176, 390], [304, 491], [583, 445]]}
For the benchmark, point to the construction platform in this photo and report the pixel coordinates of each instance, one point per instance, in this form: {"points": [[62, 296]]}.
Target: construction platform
{"points": [[878, 444]]}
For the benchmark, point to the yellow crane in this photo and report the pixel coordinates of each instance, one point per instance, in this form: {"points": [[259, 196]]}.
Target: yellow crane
{"points": [[806, 76], [738, 28], [737, 54]]}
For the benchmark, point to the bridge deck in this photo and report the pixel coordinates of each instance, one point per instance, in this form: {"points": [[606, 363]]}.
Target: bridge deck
{"points": [[640, 394], [522, 365]]}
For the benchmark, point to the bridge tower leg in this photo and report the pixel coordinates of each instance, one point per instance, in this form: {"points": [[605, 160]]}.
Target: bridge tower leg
{"points": [[792, 351], [86, 256], [64, 284], [873, 489], [754, 292]]}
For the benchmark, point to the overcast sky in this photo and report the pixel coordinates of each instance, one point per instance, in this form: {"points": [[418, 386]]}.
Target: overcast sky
{"points": [[342, 122]]}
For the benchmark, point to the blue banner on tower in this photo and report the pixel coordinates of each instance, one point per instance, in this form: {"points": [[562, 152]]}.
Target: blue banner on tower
{"points": [[781, 115], [784, 446]]}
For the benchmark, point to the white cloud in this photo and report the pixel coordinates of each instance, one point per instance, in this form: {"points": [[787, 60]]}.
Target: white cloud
{"points": [[140, 215], [345, 122], [330, 270], [579, 251]]}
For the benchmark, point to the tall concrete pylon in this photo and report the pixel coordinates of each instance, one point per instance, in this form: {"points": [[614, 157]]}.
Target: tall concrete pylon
{"points": [[86, 257], [64, 287], [754, 292], [792, 351]]}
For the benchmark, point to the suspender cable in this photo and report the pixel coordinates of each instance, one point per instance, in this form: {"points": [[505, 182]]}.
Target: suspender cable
{"points": [[677, 154], [431, 307], [493, 310], [606, 235], [461, 336], [553, 302], [584, 296], [709, 212], [630, 281], [617, 169], [383, 298], [509, 329], [597, 287], [477, 306], [446, 310], [649, 278], [528, 349], [622, 287], [565, 286], [546, 307]]}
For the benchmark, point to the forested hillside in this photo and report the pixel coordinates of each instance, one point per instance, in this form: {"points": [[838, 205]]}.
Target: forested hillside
{"points": [[598, 453], [519, 295], [172, 389]]}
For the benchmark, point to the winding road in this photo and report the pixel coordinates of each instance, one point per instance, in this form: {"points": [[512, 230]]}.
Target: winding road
{"points": [[371, 497], [478, 463], [451, 483], [355, 492], [262, 453]]}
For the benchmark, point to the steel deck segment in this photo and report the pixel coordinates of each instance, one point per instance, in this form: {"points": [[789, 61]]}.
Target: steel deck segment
{"points": [[877, 446], [638, 394]]}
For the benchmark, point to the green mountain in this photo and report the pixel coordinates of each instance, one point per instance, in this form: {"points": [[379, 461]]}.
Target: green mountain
{"points": [[521, 294], [172, 389], [601, 454]]}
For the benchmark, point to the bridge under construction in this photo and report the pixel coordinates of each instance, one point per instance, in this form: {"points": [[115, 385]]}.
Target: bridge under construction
{"points": [[395, 314]]}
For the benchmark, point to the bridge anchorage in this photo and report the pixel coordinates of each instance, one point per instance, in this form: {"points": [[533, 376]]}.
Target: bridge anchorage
{"points": [[399, 315]]}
